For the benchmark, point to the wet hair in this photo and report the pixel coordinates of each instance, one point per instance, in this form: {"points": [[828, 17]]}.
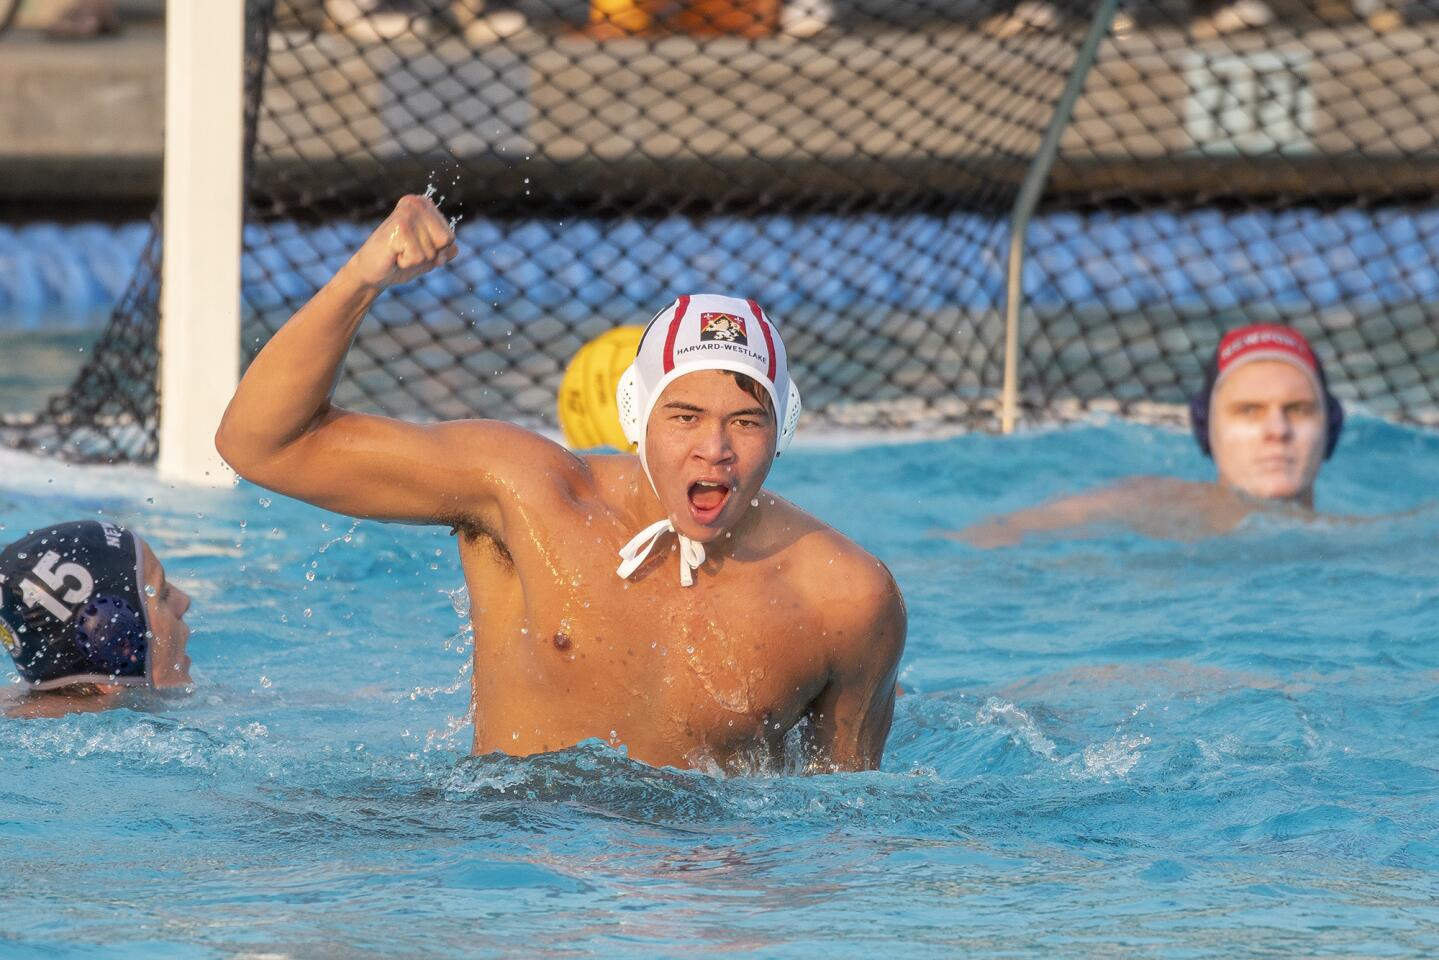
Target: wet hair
{"points": [[755, 389]]}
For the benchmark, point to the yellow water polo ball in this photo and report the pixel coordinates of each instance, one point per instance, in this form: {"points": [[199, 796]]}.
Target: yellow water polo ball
{"points": [[586, 401]]}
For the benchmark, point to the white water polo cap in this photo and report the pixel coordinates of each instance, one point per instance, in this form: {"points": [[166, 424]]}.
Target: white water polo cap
{"points": [[707, 331], [703, 331]]}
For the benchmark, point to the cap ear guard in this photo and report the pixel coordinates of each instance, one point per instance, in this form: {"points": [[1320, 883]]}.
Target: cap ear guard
{"points": [[628, 404], [1333, 422], [791, 420], [1199, 417], [113, 636]]}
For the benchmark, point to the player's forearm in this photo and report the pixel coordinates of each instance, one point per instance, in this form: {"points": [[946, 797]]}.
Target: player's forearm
{"points": [[1011, 528], [288, 386]]}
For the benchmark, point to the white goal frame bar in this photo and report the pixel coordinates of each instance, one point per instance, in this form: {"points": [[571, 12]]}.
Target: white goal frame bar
{"points": [[203, 219]]}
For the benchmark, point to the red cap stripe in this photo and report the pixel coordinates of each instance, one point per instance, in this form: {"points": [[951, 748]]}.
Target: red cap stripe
{"points": [[680, 308], [768, 337], [1264, 337]]}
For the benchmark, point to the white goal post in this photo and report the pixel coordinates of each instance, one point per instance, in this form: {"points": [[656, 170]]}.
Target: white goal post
{"points": [[203, 215]]}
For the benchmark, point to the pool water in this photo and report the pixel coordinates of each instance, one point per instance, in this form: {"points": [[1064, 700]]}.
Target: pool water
{"points": [[1110, 746], [40, 364]]}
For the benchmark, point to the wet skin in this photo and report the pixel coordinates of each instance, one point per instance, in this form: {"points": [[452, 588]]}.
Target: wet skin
{"points": [[169, 634], [788, 624], [1267, 433]]}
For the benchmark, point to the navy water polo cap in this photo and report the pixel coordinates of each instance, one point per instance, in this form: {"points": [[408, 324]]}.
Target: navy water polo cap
{"points": [[1264, 341], [71, 609]]}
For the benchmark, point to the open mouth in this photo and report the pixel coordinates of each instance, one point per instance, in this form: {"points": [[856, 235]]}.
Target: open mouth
{"points": [[707, 499]]}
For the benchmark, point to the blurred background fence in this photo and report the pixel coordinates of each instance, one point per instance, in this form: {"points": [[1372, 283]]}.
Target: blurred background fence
{"points": [[851, 165]]}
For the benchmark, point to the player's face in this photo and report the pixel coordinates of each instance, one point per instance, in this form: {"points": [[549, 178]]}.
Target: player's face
{"points": [[1266, 428], [709, 446], [165, 605]]}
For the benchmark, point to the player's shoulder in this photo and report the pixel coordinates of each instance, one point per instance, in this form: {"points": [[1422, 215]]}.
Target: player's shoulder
{"points": [[844, 579], [512, 455], [1156, 481], [1145, 489]]}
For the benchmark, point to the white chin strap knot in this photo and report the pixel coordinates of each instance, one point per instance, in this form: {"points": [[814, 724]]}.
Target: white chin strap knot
{"points": [[637, 551]]}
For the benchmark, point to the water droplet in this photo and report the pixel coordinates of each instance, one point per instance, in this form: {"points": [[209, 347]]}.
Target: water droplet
{"points": [[754, 502], [265, 681], [308, 613], [265, 502], [515, 735], [310, 575], [150, 591], [690, 649]]}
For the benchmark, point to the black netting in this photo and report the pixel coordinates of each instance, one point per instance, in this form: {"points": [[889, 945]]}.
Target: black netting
{"points": [[852, 165], [111, 411], [1247, 163]]}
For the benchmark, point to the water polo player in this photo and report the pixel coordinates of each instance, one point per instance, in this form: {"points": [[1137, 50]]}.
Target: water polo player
{"points": [[86, 611], [1265, 416], [662, 602]]}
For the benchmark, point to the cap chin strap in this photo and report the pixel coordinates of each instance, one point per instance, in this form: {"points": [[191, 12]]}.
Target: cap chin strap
{"points": [[692, 554], [641, 545], [637, 551]]}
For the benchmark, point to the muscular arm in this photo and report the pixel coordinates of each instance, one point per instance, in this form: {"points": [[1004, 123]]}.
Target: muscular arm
{"points": [[1062, 514], [850, 719], [1164, 507], [1130, 502], [282, 431], [56, 704]]}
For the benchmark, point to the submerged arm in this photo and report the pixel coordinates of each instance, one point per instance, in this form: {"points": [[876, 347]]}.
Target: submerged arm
{"points": [[1126, 501], [850, 719]]}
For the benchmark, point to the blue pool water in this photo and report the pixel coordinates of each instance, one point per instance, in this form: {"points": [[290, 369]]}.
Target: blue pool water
{"points": [[1111, 746]]}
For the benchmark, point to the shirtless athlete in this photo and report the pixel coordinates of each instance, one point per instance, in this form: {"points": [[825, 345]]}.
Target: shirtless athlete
{"points": [[733, 618], [1267, 419]]}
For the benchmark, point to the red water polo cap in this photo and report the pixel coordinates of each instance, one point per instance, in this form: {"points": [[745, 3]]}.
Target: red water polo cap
{"points": [[1264, 341]]}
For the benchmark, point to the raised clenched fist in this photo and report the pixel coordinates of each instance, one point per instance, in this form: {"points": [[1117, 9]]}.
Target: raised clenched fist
{"points": [[414, 239]]}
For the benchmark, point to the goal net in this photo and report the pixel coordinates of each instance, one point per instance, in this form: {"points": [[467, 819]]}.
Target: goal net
{"points": [[850, 164]]}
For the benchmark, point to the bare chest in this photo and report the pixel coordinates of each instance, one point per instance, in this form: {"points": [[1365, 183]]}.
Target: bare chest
{"points": [[565, 650]]}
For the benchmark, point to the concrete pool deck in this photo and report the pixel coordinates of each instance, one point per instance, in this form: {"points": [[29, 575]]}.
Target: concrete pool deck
{"points": [[81, 123]]}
